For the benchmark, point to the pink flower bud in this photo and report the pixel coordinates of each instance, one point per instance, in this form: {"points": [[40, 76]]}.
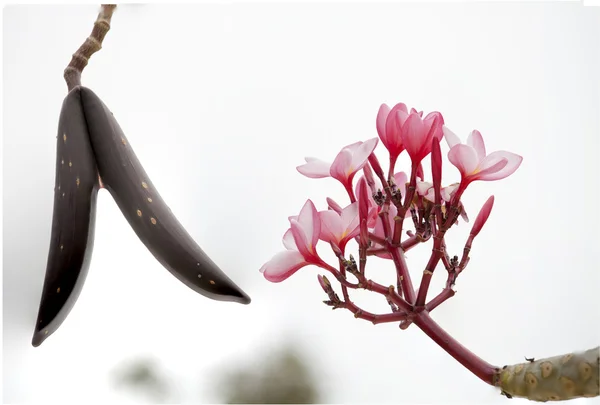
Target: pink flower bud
{"points": [[483, 216], [324, 282], [333, 205], [436, 168], [375, 165], [369, 177]]}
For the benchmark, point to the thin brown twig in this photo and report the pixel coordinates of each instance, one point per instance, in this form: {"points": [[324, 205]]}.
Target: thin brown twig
{"points": [[91, 45]]}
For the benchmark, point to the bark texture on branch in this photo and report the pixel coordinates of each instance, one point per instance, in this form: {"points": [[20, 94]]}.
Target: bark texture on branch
{"points": [[558, 378], [91, 45]]}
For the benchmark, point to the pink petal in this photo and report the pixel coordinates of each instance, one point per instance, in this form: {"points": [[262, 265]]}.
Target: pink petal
{"points": [[448, 191], [513, 163], [393, 126], [401, 179], [331, 226], [435, 115], [423, 187], [475, 140], [302, 242], [361, 155], [413, 111], [314, 168], [451, 138], [430, 195], [373, 215], [402, 115], [288, 240], [349, 217], [413, 136], [497, 166], [283, 265], [382, 115], [464, 158], [341, 165], [310, 223], [433, 130]]}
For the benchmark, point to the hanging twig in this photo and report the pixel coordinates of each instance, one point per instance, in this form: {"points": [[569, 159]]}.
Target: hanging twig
{"points": [[91, 45]]}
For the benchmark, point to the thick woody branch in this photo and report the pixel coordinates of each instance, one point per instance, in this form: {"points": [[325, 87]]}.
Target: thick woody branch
{"points": [[91, 45]]}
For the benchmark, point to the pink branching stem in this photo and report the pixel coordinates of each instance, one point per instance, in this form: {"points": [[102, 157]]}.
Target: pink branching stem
{"points": [[376, 238], [341, 277], [453, 271], [447, 292], [465, 257], [439, 250], [436, 254], [440, 298], [370, 285], [397, 255], [402, 269], [464, 356], [412, 242], [374, 318], [344, 288], [384, 214], [408, 244], [402, 209], [374, 252]]}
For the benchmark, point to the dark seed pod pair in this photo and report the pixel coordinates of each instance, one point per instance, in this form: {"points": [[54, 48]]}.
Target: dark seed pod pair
{"points": [[91, 146]]}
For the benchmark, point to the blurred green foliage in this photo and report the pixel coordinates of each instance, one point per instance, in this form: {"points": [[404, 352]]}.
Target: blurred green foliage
{"points": [[283, 378], [279, 377]]}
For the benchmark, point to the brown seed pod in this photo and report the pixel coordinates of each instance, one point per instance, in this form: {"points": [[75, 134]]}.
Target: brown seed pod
{"points": [[92, 141]]}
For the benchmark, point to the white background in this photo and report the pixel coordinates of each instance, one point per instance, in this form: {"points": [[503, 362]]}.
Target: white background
{"points": [[221, 102]]}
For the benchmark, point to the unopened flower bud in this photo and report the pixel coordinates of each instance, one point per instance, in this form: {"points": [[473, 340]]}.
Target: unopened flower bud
{"points": [[325, 284], [483, 216], [334, 206]]}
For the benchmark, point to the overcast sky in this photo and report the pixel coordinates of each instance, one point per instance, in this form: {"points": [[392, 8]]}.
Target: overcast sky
{"points": [[221, 102]]}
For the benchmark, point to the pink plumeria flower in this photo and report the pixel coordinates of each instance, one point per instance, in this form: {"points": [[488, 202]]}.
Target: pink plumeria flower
{"points": [[340, 228], [425, 190], [417, 133], [473, 162], [349, 160], [400, 129], [300, 241]]}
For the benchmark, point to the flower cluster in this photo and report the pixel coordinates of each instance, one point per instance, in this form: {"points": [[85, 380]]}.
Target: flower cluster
{"points": [[380, 203]]}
